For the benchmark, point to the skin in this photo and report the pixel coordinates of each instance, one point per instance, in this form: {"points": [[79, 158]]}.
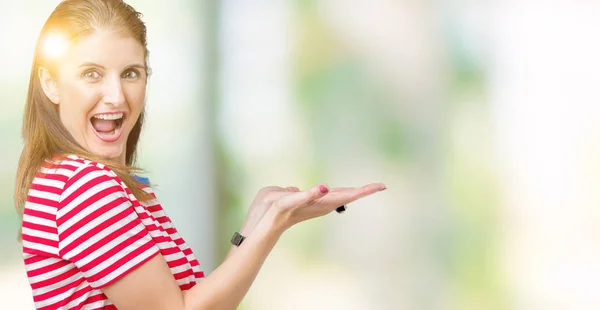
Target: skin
{"points": [[102, 73], [82, 90]]}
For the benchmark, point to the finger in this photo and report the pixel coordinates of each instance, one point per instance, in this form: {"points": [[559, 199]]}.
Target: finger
{"points": [[340, 189], [347, 195], [380, 186], [269, 194], [281, 189], [369, 189], [306, 197], [276, 194], [268, 189]]}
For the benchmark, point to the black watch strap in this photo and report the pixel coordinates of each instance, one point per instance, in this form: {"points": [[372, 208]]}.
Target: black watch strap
{"points": [[237, 239]]}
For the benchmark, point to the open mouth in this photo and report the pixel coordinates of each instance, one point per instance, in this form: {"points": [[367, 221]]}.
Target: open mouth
{"points": [[107, 126]]}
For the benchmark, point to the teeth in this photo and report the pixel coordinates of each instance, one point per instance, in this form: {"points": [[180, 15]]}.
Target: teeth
{"points": [[109, 117]]}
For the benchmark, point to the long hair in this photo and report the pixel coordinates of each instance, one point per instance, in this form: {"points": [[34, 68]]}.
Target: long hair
{"points": [[44, 135]]}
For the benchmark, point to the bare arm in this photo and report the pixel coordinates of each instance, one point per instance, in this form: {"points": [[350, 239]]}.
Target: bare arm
{"points": [[151, 286], [229, 283]]}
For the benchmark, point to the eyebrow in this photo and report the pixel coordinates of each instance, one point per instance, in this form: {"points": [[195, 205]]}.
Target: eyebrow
{"points": [[91, 64], [138, 66]]}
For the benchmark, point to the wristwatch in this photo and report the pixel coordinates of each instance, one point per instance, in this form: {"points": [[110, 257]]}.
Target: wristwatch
{"points": [[237, 239]]}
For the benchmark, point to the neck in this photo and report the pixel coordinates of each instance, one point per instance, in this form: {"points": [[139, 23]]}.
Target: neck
{"points": [[122, 158]]}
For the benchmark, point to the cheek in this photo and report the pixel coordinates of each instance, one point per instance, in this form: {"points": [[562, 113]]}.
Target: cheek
{"points": [[76, 102], [135, 96]]}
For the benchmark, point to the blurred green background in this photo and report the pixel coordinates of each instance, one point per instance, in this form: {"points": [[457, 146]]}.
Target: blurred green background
{"points": [[480, 117]]}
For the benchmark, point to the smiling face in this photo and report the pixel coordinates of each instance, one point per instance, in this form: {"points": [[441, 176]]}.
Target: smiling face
{"points": [[99, 87]]}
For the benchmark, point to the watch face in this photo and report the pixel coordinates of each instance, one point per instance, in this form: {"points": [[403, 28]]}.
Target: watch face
{"points": [[237, 239]]}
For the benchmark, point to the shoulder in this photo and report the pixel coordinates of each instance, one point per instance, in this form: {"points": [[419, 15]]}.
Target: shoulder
{"points": [[82, 164], [83, 169], [67, 167], [83, 176], [92, 194], [59, 175]]}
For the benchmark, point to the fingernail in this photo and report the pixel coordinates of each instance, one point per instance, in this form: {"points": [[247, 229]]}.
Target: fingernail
{"points": [[323, 189], [382, 188]]}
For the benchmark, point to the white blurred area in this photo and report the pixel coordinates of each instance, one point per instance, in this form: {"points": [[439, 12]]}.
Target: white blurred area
{"points": [[537, 129], [545, 77]]}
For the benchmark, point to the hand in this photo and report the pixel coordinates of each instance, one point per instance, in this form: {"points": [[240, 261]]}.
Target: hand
{"points": [[262, 203], [295, 207]]}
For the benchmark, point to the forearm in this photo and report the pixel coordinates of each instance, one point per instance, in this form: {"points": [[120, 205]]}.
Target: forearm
{"points": [[245, 231], [227, 285]]}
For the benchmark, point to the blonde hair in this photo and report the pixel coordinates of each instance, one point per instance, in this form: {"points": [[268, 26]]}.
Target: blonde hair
{"points": [[44, 135]]}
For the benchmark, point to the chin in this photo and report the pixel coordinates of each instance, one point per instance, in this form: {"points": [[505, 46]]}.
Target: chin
{"points": [[109, 152]]}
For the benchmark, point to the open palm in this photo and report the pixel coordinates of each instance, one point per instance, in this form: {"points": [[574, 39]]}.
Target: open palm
{"points": [[320, 200]]}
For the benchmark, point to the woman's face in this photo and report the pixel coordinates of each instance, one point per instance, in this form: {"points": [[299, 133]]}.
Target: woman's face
{"points": [[100, 88]]}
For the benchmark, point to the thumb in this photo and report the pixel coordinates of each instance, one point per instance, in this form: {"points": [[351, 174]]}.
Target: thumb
{"points": [[309, 196], [306, 197]]}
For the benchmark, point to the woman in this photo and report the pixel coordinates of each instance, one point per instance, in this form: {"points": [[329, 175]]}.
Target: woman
{"points": [[93, 234]]}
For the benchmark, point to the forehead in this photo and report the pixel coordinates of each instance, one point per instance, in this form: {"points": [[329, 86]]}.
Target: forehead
{"points": [[107, 48]]}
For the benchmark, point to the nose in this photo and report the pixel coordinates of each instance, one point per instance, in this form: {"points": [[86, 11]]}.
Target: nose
{"points": [[113, 91]]}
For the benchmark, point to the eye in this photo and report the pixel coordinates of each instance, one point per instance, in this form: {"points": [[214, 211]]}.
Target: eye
{"points": [[91, 75], [130, 74]]}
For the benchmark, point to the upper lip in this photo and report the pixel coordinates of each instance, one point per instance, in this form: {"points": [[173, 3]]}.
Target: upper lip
{"points": [[114, 112]]}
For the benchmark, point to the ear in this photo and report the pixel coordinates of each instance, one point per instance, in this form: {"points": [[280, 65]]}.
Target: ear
{"points": [[48, 85]]}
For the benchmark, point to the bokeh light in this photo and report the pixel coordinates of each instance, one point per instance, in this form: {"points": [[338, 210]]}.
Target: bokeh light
{"points": [[54, 44]]}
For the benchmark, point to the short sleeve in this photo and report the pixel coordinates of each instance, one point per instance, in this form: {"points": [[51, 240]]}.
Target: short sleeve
{"points": [[98, 228]]}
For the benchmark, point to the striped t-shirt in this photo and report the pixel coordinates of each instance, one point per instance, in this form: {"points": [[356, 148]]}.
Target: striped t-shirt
{"points": [[83, 229]]}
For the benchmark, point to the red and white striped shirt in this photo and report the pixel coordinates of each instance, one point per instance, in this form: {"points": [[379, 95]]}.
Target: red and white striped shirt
{"points": [[83, 229]]}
